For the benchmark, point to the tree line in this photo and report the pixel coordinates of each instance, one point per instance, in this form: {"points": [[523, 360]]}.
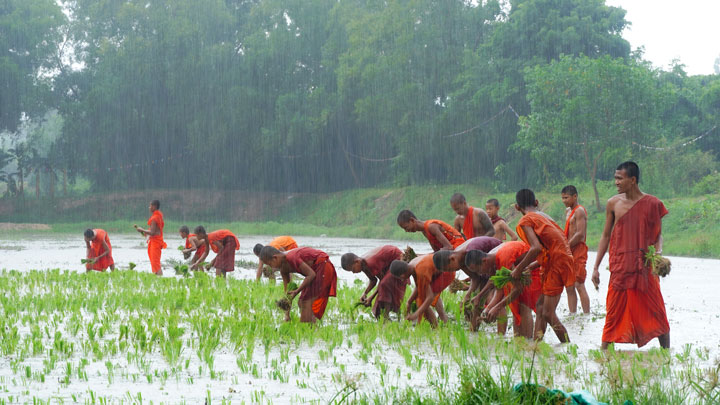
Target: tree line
{"points": [[326, 95]]}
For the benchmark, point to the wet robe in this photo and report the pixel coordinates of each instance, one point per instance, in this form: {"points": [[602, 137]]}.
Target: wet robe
{"points": [[426, 274], [579, 252], [97, 248], [200, 249], [225, 261], [450, 233], [558, 268], [156, 243], [508, 256], [324, 285], [468, 228], [283, 243], [635, 305], [390, 290]]}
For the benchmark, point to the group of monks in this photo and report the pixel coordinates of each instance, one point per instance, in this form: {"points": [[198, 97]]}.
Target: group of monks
{"points": [[543, 259]]}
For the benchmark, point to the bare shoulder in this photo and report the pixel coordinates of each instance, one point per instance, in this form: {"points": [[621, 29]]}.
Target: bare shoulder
{"points": [[614, 200]]}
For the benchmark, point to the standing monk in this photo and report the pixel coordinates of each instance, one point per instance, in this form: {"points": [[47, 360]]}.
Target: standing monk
{"points": [[192, 244], [99, 250], [429, 284], [549, 246], [155, 241], [470, 221], [575, 232], [492, 206], [281, 243], [633, 222], [320, 281], [224, 243], [438, 233], [376, 266]]}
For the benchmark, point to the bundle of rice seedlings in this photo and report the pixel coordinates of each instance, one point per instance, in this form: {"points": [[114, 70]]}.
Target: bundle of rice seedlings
{"points": [[84, 261], [131, 266], [269, 272], [659, 264], [503, 276], [182, 270], [408, 254], [458, 285], [284, 302], [181, 247]]}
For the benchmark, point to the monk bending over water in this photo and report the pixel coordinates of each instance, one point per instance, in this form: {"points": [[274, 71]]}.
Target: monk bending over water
{"points": [[281, 243], [438, 233], [429, 284], [99, 250], [154, 232], [224, 243], [192, 244], [633, 222]]}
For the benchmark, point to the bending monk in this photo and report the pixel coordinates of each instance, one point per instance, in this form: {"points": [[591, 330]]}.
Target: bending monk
{"points": [[192, 244], [320, 281], [376, 266], [635, 305], [470, 221], [99, 250], [155, 241], [492, 207], [224, 243], [281, 243], [429, 284], [438, 233], [549, 246], [575, 232]]}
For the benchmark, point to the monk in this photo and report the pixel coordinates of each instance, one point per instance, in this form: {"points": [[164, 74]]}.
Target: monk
{"points": [[470, 221], [154, 232], [438, 233], [429, 284], [320, 281], [281, 243], [224, 243], [376, 265], [575, 232], [99, 250], [502, 230], [521, 299], [549, 246], [192, 244], [633, 222]]}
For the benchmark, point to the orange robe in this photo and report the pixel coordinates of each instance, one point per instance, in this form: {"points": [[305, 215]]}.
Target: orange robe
{"points": [[200, 249], [324, 285], [556, 258], [283, 243], [224, 261], [468, 228], [579, 252], [450, 233], [635, 305], [156, 242], [97, 248], [426, 274], [508, 256]]}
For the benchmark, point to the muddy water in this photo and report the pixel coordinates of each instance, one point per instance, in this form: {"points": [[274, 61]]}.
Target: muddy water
{"points": [[691, 296]]}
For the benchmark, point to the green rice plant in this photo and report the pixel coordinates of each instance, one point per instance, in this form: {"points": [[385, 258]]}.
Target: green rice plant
{"points": [[503, 276]]}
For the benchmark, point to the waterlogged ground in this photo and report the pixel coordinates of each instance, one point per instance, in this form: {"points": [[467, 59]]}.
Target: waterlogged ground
{"points": [[131, 337]]}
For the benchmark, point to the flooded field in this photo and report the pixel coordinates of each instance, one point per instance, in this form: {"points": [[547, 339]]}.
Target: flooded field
{"points": [[129, 337]]}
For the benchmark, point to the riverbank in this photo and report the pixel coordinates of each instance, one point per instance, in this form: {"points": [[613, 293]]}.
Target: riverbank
{"points": [[691, 229]]}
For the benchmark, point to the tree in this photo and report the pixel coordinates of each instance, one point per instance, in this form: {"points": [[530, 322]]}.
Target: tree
{"points": [[588, 113]]}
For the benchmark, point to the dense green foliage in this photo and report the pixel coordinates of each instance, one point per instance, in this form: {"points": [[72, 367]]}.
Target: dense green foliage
{"points": [[322, 95]]}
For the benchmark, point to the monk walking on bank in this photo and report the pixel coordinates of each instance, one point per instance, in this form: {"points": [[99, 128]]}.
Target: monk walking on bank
{"points": [[470, 221], [192, 244], [224, 243], [633, 222], [99, 250], [155, 241], [438, 233], [502, 229], [575, 232], [549, 246], [281, 243], [376, 265]]}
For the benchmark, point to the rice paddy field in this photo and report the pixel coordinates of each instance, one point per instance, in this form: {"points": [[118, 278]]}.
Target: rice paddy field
{"points": [[131, 337]]}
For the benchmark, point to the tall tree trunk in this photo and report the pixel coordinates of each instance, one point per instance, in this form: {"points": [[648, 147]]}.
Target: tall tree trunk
{"points": [[592, 171], [37, 183], [65, 182], [52, 184]]}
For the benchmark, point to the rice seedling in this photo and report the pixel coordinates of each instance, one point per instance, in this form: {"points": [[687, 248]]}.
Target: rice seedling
{"points": [[503, 276], [659, 264], [409, 254]]}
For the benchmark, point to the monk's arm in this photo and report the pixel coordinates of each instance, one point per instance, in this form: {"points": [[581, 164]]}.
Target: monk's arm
{"points": [[106, 248], [258, 274], [580, 228], [458, 223], [204, 255], [412, 298], [604, 241], [193, 245], [508, 230], [474, 284], [531, 255], [659, 244], [488, 313], [506, 300], [487, 289], [483, 223], [436, 231], [220, 247], [309, 274], [429, 297], [286, 280], [154, 229], [372, 282]]}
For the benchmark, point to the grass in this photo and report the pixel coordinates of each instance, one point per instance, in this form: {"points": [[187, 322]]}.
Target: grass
{"points": [[189, 338]]}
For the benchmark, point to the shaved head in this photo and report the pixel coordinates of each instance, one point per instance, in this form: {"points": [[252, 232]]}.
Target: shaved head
{"points": [[457, 198]]}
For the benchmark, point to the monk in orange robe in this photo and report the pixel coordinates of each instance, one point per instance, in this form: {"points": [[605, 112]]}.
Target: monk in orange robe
{"points": [[192, 244], [224, 243], [502, 229], [438, 233], [320, 281], [429, 284], [549, 246], [575, 231], [471, 221], [154, 232], [99, 250], [281, 243], [635, 305], [376, 266]]}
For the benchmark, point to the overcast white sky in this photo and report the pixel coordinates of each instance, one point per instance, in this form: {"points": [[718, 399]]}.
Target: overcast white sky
{"points": [[688, 30]]}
